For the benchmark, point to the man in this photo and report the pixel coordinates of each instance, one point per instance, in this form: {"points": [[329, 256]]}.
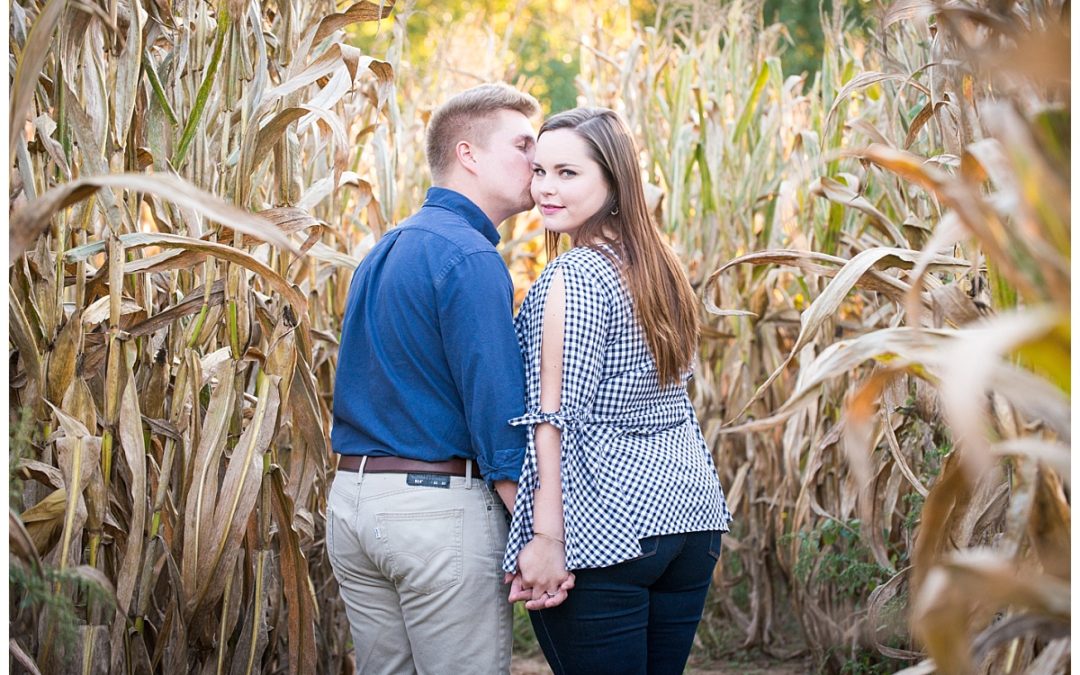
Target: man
{"points": [[429, 373]]}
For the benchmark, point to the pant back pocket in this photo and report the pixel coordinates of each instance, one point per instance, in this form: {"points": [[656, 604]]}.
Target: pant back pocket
{"points": [[424, 549]]}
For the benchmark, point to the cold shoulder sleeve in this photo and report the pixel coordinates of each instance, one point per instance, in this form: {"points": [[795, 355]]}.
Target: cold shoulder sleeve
{"points": [[586, 324]]}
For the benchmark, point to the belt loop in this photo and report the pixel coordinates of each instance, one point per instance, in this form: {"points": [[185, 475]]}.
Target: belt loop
{"points": [[360, 471], [468, 474]]}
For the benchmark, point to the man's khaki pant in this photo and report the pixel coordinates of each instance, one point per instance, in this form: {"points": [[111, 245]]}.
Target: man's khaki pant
{"points": [[420, 572]]}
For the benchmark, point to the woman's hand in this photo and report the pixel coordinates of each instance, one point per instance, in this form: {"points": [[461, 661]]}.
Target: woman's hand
{"points": [[542, 579], [518, 593]]}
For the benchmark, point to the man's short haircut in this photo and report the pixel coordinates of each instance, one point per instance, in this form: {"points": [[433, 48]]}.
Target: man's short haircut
{"points": [[463, 117]]}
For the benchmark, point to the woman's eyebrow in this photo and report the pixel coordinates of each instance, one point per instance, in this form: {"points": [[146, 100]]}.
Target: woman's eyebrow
{"points": [[561, 165]]}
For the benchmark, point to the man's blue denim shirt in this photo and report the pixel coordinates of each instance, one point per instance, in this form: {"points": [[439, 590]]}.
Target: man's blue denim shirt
{"points": [[429, 366]]}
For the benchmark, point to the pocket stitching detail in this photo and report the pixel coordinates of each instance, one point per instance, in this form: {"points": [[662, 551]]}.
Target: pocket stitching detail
{"points": [[455, 565]]}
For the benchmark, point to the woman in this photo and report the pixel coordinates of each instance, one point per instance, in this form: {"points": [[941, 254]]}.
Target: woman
{"points": [[618, 485]]}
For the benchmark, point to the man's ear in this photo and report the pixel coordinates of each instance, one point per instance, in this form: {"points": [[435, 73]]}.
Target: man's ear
{"points": [[463, 152]]}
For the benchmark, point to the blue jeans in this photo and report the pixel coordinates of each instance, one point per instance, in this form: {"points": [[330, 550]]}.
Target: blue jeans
{"points": [[638, 616]]}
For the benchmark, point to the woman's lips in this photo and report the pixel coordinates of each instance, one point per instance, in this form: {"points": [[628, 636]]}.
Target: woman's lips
{"points": [[548, 209]]}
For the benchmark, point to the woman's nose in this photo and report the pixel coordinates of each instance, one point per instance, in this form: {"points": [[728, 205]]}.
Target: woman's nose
{"points": [[543, 185]]}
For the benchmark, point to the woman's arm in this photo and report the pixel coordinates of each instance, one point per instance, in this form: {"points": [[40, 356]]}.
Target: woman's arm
{"points": [[547, 509], [543, 560]]}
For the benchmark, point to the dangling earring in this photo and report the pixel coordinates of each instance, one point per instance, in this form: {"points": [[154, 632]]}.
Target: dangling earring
{"points": [[615, 211]]}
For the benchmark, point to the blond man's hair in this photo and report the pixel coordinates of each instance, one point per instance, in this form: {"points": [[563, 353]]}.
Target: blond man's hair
{"points": [[464, 118]]}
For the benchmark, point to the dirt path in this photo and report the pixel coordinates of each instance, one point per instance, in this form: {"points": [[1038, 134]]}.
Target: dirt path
{"points": [[535, 665]]}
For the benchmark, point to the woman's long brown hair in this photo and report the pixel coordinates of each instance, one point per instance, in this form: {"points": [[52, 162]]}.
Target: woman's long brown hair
{"points": [[664, 303]]}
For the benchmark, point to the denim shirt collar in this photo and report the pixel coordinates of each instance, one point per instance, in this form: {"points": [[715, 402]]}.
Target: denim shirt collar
{"points": [[464, 207]]}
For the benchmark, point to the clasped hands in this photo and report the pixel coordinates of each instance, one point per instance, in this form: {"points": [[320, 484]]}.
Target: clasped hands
{"points": [[542, 579]]}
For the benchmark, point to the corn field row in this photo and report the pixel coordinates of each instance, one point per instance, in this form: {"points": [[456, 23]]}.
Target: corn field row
{"points": [[882, 249]]}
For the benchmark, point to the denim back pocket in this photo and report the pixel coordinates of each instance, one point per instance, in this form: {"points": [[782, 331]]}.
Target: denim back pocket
{"points": [[714, 544], [649, 547], [424, 549]]}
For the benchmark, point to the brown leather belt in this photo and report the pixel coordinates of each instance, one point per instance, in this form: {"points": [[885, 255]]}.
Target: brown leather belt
{"points": [[451, 467]]}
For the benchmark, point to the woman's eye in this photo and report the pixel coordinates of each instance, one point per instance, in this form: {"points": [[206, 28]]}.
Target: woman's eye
{"points": [[567, 173], [538, 171]]}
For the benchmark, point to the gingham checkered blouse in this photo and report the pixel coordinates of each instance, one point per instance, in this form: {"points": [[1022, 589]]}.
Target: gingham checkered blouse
{"points": [[634, 463]]}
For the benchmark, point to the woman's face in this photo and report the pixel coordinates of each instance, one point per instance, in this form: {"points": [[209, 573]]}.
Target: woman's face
{"points": [[568, 185]]}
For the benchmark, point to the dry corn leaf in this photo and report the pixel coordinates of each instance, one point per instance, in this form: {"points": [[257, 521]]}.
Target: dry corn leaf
{"points": [[875, 605], [92, 646], [29, 222], [237, 496], [62, 359], [838, 192], [98, 311], [247, 658], [134, 456], [44, 521], [128, 67], [969, 366], [1049, 526], [223, 251], [906, 10], [46, 474], [861, 81], [25, 341], [1056, 456], [203, 492], [302, 605], [39, 43], [365, 10], [983, 578], [24, 659]]}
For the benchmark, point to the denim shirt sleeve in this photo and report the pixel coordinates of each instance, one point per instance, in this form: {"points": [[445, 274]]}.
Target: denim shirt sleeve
{"points": [[475, 302]]}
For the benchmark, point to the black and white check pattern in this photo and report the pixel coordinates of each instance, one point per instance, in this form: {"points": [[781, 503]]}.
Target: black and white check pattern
{"points": [[634, 463]]}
